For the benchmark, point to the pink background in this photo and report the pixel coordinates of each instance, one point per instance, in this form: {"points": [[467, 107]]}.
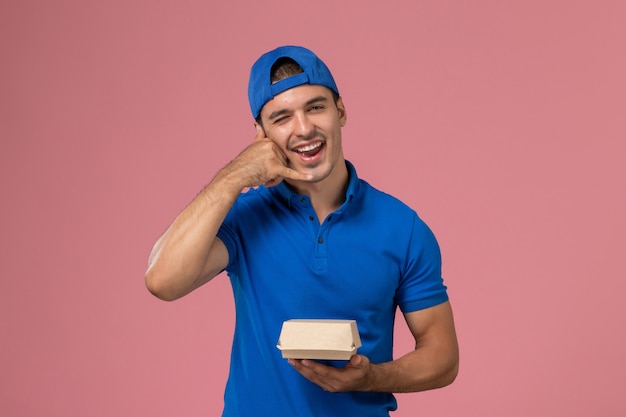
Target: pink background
{"points": [[502, 123]]}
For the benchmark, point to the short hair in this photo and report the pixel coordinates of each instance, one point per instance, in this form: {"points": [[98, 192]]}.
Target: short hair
{"points": [[284, 68]]}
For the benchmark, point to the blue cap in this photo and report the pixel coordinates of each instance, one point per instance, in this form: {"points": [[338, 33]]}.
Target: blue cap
{"points": [[260, 88]]}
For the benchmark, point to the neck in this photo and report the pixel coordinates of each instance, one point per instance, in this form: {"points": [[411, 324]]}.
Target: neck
{"points": [[330, 193]]}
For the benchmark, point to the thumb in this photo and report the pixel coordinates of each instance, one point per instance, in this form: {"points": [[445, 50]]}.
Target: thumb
{"points": [[356, 360]]}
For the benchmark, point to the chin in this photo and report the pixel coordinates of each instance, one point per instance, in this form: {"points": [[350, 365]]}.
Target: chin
{"points": [[319, 173]]}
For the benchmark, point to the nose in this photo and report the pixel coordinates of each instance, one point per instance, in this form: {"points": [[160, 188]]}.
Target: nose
{"points": [[302, 125]]}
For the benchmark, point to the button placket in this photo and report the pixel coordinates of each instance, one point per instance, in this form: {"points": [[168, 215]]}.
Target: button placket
{"points": [[306, 210], [321, 247]]}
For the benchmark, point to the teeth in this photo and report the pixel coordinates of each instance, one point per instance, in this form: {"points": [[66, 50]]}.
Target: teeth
{"points": [[309, 147]]}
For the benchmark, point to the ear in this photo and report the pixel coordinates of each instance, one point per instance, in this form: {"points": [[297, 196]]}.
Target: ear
{"points": [[260, 131], [343, 117]]}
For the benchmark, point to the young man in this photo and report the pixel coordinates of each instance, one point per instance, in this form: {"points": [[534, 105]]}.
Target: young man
{"points": [[309, 239]]}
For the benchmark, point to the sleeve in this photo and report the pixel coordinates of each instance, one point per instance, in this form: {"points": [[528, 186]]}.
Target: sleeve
{"points": [[227, 235], [421, 284]]}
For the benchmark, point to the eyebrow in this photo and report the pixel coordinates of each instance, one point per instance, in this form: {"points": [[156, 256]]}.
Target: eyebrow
{"points": [[280, 112]]}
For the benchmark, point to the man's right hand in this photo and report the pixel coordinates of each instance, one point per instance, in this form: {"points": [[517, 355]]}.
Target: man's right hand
{"points": [[263, 162]]}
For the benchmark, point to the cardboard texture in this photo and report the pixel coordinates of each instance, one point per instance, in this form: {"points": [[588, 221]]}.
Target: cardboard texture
{"points": [[319, 339]]}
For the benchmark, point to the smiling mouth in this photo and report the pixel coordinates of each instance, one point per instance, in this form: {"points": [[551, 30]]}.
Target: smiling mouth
{"points": [[310, 150]]}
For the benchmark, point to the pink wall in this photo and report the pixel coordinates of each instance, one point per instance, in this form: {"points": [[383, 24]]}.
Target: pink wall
{"points": [[502, 123]]}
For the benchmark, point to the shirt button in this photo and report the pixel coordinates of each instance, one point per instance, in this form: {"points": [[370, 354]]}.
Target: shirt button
{"points": [[320, 240], [302, 199], [311, 218]]}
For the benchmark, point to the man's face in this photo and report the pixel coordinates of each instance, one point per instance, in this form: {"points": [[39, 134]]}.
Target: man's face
{"points": [[306, 124]]}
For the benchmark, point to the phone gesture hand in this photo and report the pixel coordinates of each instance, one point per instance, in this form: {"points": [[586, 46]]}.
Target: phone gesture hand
{"points": [[263, 162]]}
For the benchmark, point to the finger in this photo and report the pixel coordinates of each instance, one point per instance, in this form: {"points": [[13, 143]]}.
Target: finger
{"points": [[273, 182], [291, 174], [311, 370], [306, 365]]}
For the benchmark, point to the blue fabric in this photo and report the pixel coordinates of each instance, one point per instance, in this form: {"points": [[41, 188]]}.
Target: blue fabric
{"points": [[260, 88], [369, 257]]}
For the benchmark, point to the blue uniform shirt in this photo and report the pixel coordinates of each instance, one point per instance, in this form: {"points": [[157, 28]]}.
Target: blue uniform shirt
{"points": [[367, 258]]}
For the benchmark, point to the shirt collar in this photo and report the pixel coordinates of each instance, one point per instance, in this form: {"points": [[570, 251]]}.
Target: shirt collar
{"points": [[286, 193]]}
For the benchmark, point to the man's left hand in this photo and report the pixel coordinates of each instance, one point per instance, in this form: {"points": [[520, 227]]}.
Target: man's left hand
{"points": [[355, 376]]}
